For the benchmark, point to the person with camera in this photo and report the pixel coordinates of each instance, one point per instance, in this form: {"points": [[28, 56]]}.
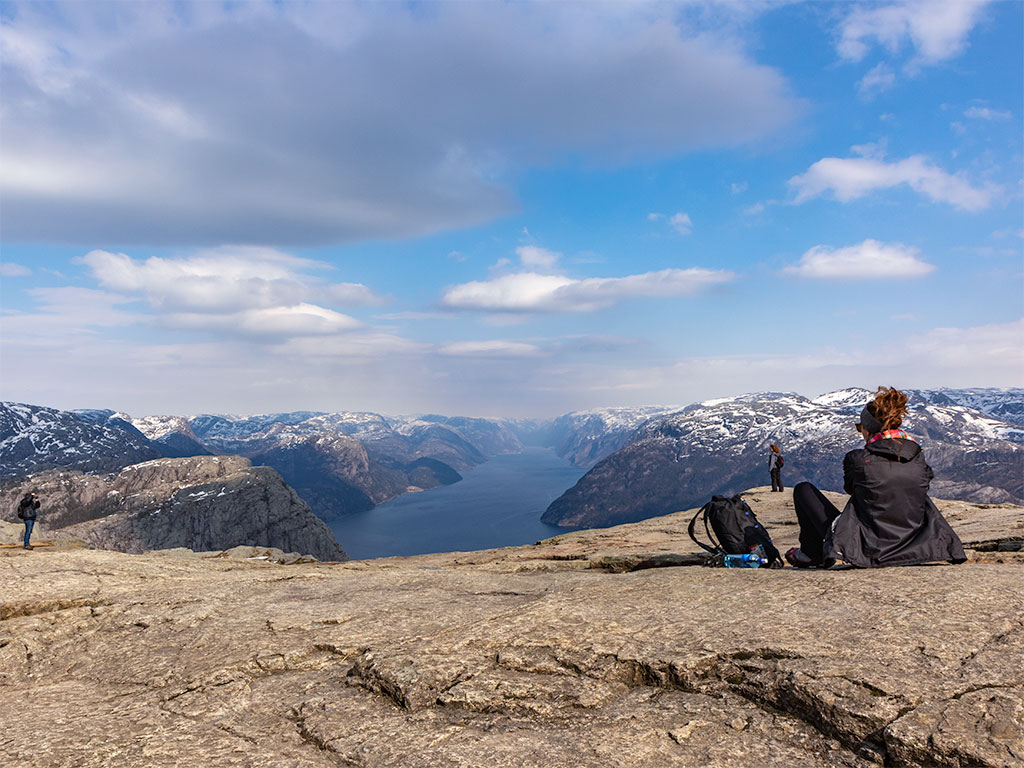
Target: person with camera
{"points": [[27, 510], [889, 520]]}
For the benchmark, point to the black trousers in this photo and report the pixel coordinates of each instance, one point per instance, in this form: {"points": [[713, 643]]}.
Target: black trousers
{"points": [[776, 478], [815, 514]]}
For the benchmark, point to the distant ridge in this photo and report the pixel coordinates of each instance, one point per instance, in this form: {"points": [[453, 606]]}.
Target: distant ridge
{"points": [[679, 460]]}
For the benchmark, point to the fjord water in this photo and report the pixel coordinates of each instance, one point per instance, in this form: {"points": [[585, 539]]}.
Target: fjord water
{"points": [[497, 504]]}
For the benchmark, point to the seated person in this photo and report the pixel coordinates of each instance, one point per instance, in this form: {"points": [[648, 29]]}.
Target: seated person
{"points": [[889, 519]]}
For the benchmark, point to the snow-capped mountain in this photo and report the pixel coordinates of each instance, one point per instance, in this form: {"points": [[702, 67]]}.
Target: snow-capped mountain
{"points": [[680, 460], [586, 437], [347, 462], [1003, 404], [172, 434], [34, 438]]}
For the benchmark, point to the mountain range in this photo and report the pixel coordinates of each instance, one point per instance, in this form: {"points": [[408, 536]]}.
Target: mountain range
{"points": [[678, 460], [643, 461]]}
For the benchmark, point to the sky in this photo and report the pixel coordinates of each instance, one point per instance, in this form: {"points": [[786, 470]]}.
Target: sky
{"points": [[506, 209]]}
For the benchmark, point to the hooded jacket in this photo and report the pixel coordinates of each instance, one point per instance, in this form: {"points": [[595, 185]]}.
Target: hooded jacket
{"points": [[889, 519], [27, 508]]}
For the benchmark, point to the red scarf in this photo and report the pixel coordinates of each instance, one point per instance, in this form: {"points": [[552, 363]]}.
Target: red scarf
{"points": [[891, 434]]}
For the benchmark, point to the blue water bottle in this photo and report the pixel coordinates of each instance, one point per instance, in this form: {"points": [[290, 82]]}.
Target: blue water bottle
{"points": [[744, 561]]}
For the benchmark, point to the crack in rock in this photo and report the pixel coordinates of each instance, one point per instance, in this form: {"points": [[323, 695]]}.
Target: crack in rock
{"points": [[22, 608]]}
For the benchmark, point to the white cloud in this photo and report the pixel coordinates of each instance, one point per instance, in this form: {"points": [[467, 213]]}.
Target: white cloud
{"points": [[655, 216], [865, 261], [681, 223], [223, 280], [10, 269], [873, 149], [532, 292], [352, 295], [754, 210], [739, 188], [878, 79], [984, 113], [852, 178], [109, 138], [298, 320], [936, 29], [494, 348], [533, 257]]}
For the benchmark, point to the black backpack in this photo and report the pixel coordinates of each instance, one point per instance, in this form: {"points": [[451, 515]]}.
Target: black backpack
{"points": [[736, 529]]}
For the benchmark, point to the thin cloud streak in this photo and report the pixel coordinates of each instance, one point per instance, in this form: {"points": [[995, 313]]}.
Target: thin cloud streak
{"points": [[532, 292]]}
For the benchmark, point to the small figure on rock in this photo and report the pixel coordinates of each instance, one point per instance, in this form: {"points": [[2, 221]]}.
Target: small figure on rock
{"points": [[27, 511], [775, 462], [889, 519]]}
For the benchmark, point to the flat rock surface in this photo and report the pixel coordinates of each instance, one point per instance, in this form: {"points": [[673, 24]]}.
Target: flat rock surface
{"points": [[547, 655]]}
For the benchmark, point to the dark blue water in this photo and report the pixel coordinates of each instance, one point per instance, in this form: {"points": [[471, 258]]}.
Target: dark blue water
{"points": [[497, 504]]}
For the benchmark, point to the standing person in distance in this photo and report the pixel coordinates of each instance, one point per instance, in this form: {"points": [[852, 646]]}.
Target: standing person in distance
{"points": [[889, 519], [27, 511], [775, 462]]}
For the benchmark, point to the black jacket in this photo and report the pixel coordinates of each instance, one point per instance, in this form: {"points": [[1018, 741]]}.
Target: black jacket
{"points": [[27, 508], [889, 519]]}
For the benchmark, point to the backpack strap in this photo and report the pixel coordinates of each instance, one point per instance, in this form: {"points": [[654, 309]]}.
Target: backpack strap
{"points": [[693, 521]]}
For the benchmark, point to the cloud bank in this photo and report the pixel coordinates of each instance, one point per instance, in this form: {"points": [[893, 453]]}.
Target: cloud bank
{"points": [[238, 290], [280, 123]]}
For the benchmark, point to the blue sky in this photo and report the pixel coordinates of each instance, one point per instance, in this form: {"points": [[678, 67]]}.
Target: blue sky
{"points": [[506, 209]]}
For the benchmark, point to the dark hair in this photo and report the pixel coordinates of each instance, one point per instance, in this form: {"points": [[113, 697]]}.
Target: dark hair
{"points": [[889, 406]]}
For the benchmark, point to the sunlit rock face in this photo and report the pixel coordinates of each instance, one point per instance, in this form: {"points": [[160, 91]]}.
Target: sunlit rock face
{"points": [[202, 503]]}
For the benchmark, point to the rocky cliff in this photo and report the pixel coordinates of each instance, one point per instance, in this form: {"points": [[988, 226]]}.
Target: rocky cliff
{"points": [[202, 503], [576, 652], [680, 460], [348, 462]]}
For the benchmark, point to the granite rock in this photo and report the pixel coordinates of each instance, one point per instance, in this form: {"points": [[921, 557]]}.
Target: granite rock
{"points": [[202, 503], [526, 656]]}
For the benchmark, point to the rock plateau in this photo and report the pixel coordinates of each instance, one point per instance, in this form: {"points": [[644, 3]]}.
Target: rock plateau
{"points": [[578, 651]]}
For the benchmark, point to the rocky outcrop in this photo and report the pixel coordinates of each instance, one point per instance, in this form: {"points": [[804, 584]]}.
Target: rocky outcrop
{"points": [[532, 656], [202, 503], [681, 460], [333, 474]]}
